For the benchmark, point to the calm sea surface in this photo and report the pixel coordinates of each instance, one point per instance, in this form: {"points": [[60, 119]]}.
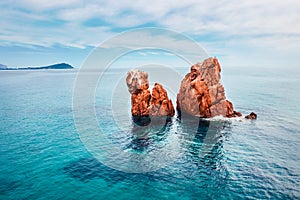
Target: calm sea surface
{"points": [[42, 156]]}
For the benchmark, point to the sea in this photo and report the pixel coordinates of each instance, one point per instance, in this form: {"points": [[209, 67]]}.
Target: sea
{"points": [[44, 155]]}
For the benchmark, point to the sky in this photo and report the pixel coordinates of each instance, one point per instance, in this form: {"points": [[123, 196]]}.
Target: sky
{"points": [[249, 33]]}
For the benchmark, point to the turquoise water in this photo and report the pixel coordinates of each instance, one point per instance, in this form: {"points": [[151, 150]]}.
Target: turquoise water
{"points": [[42, 156]]}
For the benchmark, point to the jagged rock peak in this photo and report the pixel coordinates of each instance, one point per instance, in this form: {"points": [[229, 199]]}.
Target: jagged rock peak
{"points": [[202, 94]]}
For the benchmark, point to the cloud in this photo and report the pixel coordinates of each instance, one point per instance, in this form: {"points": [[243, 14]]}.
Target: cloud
{"points": [[219, 25], [85, 12], [192, 17], [43, 5]]}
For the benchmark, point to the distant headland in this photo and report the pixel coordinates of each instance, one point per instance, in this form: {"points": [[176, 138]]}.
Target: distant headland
{"points": [[55, 66]]}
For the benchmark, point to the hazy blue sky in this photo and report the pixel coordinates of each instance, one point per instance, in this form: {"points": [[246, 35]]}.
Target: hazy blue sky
{"points": [[239, 33]]}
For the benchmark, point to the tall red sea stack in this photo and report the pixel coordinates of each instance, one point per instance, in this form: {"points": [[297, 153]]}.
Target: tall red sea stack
{"points": [[201, 93]]}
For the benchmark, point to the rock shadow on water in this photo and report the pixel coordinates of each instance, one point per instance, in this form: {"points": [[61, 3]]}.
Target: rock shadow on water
{"points": [[204, 141], [9, 186], [148, 130], [87, 169]]}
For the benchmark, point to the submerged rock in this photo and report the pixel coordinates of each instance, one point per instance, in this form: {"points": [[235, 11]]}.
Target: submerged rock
{"points": [[252, 115], [201, 93], [142, 102]]}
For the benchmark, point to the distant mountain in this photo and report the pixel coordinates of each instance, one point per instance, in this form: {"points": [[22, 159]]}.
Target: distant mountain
{"points": [[3, 66], [55, 66]]}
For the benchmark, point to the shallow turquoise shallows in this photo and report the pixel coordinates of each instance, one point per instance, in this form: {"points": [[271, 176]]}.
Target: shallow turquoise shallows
{"points": [[43, 157]]}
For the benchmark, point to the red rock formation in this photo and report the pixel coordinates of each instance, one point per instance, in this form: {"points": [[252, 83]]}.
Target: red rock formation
{"points": [[160, 104], [193, 96], [201, 93], [142, 103], [136, 81], [252, 115], [138, 86]]}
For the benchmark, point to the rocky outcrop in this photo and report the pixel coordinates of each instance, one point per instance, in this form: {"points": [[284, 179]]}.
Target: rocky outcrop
{"points": [[138, 86], [142, 102], [201, 93], [193, 96], [252, 115], [160, 104]]}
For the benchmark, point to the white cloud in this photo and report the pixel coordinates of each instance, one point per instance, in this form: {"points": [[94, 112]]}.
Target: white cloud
{"points": [[193, 17], [85, 12], [42, 5], [245, 17], [243, 24]]}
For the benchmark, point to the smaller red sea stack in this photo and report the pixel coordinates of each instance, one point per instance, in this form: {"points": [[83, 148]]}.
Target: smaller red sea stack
{"points": [[142, 102]]}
